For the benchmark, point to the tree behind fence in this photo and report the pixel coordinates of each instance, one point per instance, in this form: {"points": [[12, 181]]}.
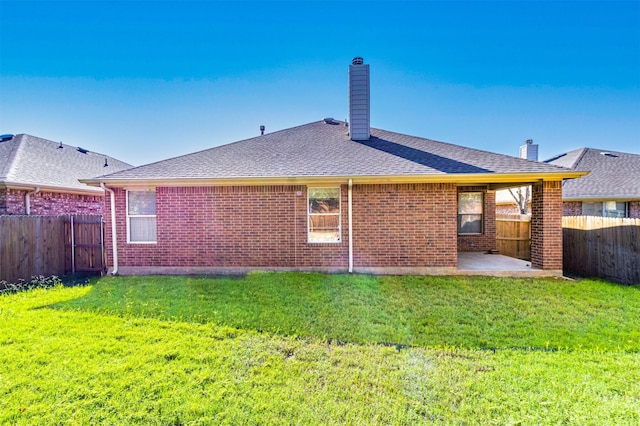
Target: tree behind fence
{"points": [[608, 248], [40, 245]]}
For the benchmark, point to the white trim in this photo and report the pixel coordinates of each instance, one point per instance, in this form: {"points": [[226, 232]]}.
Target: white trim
{"points": [[339, 214], [137, 216], [350, 214]]}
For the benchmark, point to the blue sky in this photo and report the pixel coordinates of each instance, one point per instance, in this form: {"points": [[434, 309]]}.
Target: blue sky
{"points": [[148, 80]]}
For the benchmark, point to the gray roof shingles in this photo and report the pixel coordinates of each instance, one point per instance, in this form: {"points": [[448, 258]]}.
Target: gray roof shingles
{"points": [[613, 175], [319, 149], [29, 160]]}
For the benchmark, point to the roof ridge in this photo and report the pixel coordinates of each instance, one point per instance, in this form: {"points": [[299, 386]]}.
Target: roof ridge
{"points": [[73, 148], [580, 157], [218, 146]]}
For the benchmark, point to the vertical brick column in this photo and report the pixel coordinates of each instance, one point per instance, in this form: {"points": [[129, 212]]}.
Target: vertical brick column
{"points": [[546, 225]]}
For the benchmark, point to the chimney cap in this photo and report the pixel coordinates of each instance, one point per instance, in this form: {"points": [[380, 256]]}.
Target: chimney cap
{"points": [[357, 60]]}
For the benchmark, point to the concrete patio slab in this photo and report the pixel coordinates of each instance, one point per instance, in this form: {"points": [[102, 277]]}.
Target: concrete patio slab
{"points": [[480, 263]]}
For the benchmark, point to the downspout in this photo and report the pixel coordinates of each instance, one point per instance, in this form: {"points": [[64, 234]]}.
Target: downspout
{"points": [[27, 199], [114, 239], [350, 205]]}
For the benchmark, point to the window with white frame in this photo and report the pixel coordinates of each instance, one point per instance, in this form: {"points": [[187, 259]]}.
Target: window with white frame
{"points": [[141, 216], [605, 209], [324, 215], [470, 212]]}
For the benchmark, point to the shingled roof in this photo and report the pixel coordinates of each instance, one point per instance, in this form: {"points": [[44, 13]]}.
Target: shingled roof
{"points": [[29, 161], [324, 150], [613, 175]]}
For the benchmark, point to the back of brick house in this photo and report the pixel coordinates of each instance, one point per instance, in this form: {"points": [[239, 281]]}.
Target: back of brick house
{"points": [[321, 197], [49, 203]]}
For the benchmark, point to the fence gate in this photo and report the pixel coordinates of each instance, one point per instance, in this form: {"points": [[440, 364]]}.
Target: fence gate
{"points": [[84, 244]]}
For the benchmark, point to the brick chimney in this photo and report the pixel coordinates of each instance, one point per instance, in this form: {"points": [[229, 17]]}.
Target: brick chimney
{"points": [[529, 150], [359, 100]]}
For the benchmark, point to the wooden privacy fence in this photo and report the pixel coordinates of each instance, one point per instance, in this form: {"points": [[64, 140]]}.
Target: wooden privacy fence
{"points": [[602, 247], [513, 235], [50, 245]]}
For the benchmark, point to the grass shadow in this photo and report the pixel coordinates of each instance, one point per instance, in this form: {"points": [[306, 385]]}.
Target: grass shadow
{"points": [[467, 312]]}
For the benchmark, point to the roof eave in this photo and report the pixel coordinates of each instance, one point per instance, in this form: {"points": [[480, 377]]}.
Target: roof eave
{"points": [[91, 190], [465, 179]]}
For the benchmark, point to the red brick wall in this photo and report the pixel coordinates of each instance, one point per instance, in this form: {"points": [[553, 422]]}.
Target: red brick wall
{"points": [[507, 209], [229, 226], [404, 225], [394, 225], [572, 208], [634, 209], [546, 225], [487, 240], [51, 203]]}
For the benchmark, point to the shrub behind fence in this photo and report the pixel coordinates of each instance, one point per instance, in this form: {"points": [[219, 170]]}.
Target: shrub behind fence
{"points": [[602, 247]]}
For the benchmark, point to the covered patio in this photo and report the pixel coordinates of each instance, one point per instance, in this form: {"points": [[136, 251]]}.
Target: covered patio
{"points": [[482, 263]]}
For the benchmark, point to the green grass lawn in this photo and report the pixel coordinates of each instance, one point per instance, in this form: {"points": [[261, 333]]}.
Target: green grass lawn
{"points": [[321, 349]]}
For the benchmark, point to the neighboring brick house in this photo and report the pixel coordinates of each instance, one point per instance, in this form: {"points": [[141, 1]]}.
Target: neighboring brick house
{"points": [[40, 177], [506, 203], [611, 189], [324, 196]]}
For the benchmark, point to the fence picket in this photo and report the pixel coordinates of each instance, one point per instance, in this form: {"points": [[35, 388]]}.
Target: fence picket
{"points": [[513, 235]]}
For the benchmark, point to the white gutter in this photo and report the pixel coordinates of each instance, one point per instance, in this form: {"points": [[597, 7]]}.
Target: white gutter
{"points": [[114, 239], [517, 179], [90, 190], [350, 205], [27, 199]]}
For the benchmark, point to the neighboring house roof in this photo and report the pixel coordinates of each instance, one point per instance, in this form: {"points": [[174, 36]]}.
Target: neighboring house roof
{"points": [[27, 161], [613, 175], [322, 151]]}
